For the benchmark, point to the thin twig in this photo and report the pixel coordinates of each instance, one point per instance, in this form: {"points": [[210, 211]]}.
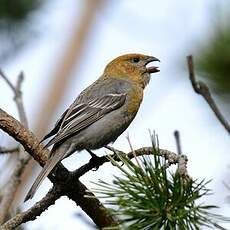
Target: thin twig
{"points": [[19, 101], [15, 180], [202, 89], [11, 188], [17, 95], [182, 160], [7, 81], [178, 143], [36, 210]]}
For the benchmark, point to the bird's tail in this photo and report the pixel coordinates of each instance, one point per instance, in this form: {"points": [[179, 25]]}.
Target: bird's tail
{"points": [[50, 164]]}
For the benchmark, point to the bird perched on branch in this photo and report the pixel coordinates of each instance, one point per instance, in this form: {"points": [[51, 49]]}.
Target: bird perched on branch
{"points": [[101, 112]]}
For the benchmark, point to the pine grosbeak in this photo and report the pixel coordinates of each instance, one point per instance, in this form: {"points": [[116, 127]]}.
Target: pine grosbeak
{"points": [[101, 112]]}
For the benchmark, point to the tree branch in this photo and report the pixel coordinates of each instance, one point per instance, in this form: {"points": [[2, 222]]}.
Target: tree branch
{"points": [[82, 196], [25, 137], [202, 89]]}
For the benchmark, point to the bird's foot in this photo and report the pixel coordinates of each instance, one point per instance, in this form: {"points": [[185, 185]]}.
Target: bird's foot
{"points": [[94, 159], [116, 152]]}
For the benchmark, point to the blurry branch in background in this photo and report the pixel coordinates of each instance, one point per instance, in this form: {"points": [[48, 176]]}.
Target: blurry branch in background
{"points": [[202, 89], [213, 60], [12, 185], [66, 62], [34, 211], [17, 95], [178, 144], [4, 150]]}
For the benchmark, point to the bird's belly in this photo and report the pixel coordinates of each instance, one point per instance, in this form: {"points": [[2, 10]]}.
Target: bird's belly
{"points": [[103, 131]]}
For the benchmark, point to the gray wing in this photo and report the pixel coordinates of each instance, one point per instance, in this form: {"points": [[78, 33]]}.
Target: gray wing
{"points": [[61, 119], [56, 127], [81, 115]]}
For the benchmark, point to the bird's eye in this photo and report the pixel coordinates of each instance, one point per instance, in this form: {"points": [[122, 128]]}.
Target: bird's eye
{"points": [[136, 59]]}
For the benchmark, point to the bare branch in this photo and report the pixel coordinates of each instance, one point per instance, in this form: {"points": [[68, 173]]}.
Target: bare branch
{"points": [[171, 157], [23, 159], [7, 81], [34, 211], [11, 188], [17, 95], [202, 89], [25, 137], [19, 101]]}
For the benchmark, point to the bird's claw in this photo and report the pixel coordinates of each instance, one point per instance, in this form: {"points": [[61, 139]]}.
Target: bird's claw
{"points": [[116, 164], [94, 158], [115, 151]]}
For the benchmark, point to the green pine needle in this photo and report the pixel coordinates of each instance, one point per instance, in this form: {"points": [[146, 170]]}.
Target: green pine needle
{"points": [[150, 197]]}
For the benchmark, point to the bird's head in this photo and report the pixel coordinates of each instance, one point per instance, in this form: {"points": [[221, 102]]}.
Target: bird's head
{"points": [[132, 67]]}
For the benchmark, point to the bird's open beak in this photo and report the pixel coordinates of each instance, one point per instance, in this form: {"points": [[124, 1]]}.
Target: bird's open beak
{"points": [[152, 69]]}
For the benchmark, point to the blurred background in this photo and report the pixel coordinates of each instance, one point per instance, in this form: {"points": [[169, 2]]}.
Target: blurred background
{"points": [[63, 46]]}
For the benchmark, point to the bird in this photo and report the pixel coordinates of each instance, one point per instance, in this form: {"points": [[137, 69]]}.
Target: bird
{"points": [[101, 112]]}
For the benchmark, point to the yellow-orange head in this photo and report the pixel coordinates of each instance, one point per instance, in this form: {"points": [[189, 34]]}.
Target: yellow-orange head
{"points": [[132, 67]]}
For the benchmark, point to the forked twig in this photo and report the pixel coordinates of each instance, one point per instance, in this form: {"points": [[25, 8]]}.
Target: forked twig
{"points": [[14, 182], [201, 88]]}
